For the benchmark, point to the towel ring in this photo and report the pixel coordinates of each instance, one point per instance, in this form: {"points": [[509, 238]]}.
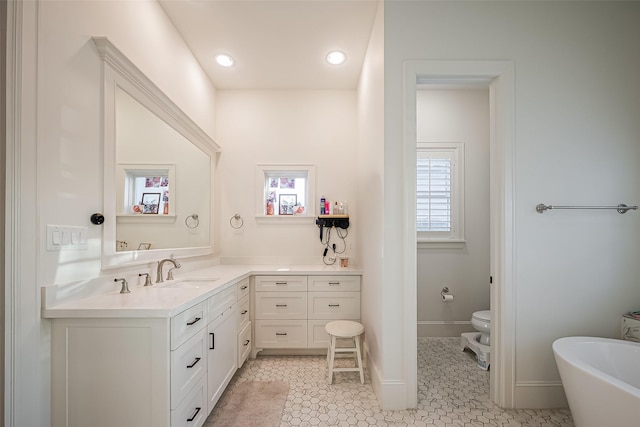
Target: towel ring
{"points": [[236, 217], [192, 224]]}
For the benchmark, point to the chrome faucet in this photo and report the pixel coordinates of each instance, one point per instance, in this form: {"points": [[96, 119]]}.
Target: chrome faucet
{"points": [[147, 278], [125, 285], [173, 261]]}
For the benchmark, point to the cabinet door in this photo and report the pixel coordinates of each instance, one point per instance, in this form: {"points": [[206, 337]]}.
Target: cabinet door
{"points": [[222, 354]]}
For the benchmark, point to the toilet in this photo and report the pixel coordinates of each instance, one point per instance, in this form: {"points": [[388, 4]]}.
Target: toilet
{"points": [[479, 342]]}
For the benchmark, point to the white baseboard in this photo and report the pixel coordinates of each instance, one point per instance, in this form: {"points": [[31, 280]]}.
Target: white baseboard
{"points": [[391, 394], [540, 395]]}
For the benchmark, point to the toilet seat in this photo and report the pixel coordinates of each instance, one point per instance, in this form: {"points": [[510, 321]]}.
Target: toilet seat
{"points": [[482, 315]]}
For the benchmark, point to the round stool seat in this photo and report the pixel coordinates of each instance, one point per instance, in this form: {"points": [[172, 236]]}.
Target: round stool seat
{"points": [[344, 328]]}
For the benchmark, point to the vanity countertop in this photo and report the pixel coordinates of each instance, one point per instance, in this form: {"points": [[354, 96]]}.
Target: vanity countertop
{"points": [[163, 300]]}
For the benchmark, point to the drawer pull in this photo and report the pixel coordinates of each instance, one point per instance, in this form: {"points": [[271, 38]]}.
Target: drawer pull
{"points": [[281, 305], [195, 362], [246, 343], [282, 334], [334, 283], [213, 341], [194, 321], [334, 305], [244, 312], [195, 414], [281, 283], [242, 288]]}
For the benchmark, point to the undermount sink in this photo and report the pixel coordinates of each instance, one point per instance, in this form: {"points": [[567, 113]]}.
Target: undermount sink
{"points": [[190, 283]]}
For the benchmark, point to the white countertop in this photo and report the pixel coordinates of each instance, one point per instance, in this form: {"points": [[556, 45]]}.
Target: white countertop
{"points": [[161, 300]]}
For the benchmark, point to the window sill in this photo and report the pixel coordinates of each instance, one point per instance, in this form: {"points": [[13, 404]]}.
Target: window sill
{"points": [[285, 219], [441, 243], [134, 218]]}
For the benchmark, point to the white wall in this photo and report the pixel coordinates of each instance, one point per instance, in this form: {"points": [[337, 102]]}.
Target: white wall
{"points": [[577, 133], [372, 199], [57, 159], [308, 127], [457, 115]]}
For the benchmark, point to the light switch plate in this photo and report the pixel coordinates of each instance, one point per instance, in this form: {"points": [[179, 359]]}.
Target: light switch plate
{"points": [[66, 237]]}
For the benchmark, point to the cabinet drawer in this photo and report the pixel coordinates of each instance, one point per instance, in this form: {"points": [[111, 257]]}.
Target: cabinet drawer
{"points": [[334, 305], [244, 344], [334, 283], [242, 288], [281, 305], [188, 366], [281, 283], [281, 334], [317, 337], [242, 312], [192, 412], [186, 324], [221, 302]]}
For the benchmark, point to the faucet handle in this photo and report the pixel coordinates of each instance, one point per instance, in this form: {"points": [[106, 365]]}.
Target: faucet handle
{"points": [[147, 279], [125, 285], [170, 273]]}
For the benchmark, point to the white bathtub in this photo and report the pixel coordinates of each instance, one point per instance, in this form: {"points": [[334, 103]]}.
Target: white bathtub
{"points": [[601, 378]]}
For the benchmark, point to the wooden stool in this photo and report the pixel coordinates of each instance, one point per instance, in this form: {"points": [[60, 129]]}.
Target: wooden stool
{"points": [[344, 329]]}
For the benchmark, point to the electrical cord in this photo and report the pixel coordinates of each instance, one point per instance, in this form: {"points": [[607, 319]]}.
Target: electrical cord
{"points": [[326, 241]]}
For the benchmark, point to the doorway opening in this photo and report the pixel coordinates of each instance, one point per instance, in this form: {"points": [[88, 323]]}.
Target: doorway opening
{"points": [[453, 244], [498, 77]]}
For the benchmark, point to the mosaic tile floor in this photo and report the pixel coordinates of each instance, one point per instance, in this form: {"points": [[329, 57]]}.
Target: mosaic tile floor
{"points": [[452, 392]]}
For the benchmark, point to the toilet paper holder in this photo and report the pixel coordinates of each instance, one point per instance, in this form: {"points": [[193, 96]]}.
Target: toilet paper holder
{"points": [[446, 296]]}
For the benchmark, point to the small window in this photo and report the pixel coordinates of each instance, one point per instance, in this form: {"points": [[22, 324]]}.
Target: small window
{"points": [[146, 189], [440, 191], [285, 190]]}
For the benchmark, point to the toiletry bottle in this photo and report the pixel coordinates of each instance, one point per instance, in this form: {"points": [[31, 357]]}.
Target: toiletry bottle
{"points": [[336, 208], [345, 208], [322, 205], [326, 207]]}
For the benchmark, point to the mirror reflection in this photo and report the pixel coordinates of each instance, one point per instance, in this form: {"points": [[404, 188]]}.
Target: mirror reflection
{"points": [[162, 181]]}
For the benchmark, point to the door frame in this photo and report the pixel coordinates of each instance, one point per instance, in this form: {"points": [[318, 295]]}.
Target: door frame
{"points": [[500, 78]]}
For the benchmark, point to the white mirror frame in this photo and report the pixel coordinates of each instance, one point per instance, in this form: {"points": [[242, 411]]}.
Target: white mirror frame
{"points": [[118, 71]]}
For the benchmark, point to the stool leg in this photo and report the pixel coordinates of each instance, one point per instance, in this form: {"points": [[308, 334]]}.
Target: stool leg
{"points": [[332, 355], [359, 356]]}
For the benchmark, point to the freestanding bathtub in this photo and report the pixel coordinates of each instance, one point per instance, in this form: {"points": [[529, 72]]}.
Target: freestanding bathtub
{"points": [[601, 378]]}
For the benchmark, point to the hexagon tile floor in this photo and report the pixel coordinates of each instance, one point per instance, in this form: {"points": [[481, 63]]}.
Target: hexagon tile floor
{"points": [[452, 392]]}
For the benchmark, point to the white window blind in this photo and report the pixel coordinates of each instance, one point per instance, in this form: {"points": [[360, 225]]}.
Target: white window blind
{"points": [[434, 194], [439, 191]]}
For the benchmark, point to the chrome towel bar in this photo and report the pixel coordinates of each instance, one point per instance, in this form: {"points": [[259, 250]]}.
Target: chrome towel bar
{"points": [[621, 208]]}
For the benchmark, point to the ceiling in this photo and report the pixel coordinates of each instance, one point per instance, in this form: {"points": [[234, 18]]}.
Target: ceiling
{"points": [[276, 44]]}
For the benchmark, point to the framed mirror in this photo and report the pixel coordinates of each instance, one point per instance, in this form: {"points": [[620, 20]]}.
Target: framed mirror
{"points": [[158, 170]]}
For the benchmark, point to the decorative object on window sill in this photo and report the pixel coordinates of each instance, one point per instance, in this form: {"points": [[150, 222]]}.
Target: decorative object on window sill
{"points": [[621, 208], [236, 221]]}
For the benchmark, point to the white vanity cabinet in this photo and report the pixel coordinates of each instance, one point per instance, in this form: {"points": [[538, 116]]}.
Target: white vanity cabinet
{"points": [[280, 311], [221, 343], [144, 371], [330, 298], [243, 316], [291, 311]]}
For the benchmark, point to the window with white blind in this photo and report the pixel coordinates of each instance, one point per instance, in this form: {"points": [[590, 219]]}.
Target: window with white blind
{"points": [[440, 192]]}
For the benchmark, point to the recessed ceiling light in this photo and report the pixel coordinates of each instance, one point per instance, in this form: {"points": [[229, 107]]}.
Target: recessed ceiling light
{"points": [[224, 60], [336, 57]]}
